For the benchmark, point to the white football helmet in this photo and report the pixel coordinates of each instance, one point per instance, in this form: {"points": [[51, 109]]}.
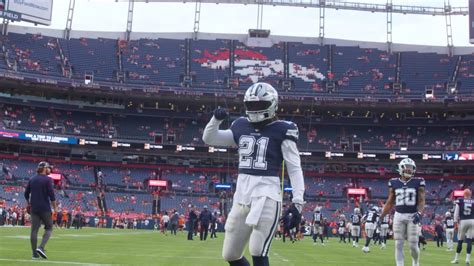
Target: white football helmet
{"points": [[317, 209], [375, 209], [356, 211], [407, 167], [342, 217], [261, 102], [448, 214]]}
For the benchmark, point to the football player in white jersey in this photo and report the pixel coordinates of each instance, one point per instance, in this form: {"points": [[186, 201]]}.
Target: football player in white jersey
{"points": [[384, 226], [264, 142], [356, 220], [407, 193], [341, 228], [318, 225], [449, 228]]}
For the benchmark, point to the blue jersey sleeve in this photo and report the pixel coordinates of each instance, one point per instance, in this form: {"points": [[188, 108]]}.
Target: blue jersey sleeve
{"points": [[292, 132], [390, 183], [422, 182]]}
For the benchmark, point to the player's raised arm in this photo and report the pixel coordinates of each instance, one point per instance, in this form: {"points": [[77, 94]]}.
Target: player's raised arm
{"points": [[389, 203], [213, 135]]}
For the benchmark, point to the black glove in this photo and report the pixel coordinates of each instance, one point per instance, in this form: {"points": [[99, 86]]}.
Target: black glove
{"points": [[220, 113], [296, 213], [417, 218]]}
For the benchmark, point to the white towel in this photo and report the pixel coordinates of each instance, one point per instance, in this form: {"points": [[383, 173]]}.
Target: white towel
{"points": [[256, 209]]}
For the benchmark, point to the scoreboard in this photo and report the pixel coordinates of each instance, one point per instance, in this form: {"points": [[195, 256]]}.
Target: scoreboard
{"points": [[34, 11]]}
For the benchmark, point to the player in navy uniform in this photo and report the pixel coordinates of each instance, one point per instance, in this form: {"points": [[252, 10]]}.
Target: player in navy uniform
{"points": [[318, 225], [407, 193], [356, 219], [370, 224], [263, 142], [384, 225], [341, 228], [449, 228], [464, 216]]}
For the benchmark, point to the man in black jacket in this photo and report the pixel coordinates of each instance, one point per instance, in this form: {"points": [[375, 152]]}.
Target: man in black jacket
{"points": [[191, 220], [439, 230], [205, 218], [291, 220], [214, 225], [39, 194]]}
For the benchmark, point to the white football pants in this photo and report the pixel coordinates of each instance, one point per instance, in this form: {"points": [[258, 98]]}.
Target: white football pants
{"points": [[259, 237]]}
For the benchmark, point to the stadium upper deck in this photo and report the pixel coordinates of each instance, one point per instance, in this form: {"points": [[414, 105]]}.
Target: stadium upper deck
{"points": [[222, 61]]}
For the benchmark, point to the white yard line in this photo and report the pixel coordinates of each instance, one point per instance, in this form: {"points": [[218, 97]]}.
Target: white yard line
{"points": [[280, 257], [54, 262], [158, 256], [64, 234]]}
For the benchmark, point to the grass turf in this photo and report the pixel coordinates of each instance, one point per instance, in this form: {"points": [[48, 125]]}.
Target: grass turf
{"points": [[142, 247]]}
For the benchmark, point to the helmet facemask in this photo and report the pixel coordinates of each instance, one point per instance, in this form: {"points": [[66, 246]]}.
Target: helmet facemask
{"points": [[258, 111], [407, 170], [261, 103]]}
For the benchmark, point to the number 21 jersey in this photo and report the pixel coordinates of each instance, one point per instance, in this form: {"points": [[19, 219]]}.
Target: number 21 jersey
{"points": [[406, 193], [260, 149]]}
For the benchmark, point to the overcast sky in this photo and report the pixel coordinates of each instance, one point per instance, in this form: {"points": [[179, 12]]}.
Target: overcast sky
{"points": [[107, 15]]}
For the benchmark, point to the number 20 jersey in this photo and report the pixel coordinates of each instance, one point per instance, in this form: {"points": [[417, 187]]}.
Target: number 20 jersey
{"points": [[406, 193], [260, 150]]}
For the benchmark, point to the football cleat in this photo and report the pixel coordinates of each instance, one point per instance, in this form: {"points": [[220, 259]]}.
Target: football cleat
{"points": [[42, 253], [35, 256]]}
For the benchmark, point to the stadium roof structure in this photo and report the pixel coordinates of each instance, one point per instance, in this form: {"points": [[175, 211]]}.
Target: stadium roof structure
{"points": [[389, 8], [336, 4]]}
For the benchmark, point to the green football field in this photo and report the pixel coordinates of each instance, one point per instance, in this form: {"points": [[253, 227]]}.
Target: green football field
{"points": [[142, 247]]}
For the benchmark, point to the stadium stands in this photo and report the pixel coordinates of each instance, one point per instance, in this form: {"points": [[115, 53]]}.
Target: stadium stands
{"points": [[427, 70], [254, 64], [210, 62], [360, 70], [178, 130], [154, 61], [355, 71], [91, 56], [466, 72], [328, 192], [308, 66], [33, 54], [162, 62]]}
